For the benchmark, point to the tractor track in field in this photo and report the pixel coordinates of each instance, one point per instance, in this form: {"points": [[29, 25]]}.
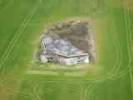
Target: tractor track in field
{"points": [[115, 72], [128, 31], [88, 90], [91, 93], [117, 61], [115, 67], [128, 38], [17, 36], [129, 43]]}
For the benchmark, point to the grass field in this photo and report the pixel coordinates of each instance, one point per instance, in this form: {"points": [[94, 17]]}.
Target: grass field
{"points": [[21, 25]]}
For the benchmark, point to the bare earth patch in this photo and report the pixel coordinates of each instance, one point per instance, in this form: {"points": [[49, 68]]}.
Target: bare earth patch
{"points": [[128, 4]]}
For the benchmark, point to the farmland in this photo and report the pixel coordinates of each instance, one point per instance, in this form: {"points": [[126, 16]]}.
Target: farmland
{"points": [[22, 22]]}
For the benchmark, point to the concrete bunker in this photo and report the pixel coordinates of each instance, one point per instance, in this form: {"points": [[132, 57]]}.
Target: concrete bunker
{"points": [[70, 42]]}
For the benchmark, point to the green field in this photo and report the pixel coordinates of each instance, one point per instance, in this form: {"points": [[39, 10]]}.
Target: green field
{"points": [[21, 25]]}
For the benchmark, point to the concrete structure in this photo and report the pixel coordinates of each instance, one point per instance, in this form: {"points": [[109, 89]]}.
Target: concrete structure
{"points": [[62, 51], [68, 43]]}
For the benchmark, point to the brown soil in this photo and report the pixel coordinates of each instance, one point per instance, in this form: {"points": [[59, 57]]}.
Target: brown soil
{"points": [[128, 4]]}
